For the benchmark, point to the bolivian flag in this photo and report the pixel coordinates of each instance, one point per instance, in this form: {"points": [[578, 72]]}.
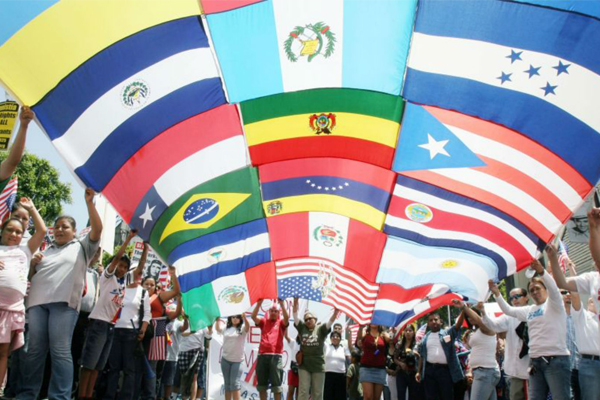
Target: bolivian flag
{"points": [[354, 189], [228, 200], [343, 123]]}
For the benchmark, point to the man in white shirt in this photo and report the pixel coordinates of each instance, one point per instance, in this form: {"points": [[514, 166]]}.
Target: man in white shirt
{"points": [[586, 328], [515, 363]]}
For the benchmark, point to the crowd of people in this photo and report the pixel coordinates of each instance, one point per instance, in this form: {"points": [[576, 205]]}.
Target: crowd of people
{"points": [[113, 333]]}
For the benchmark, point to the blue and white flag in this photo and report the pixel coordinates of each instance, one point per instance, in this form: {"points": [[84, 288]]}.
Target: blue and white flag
{"points": [[532, 69]]}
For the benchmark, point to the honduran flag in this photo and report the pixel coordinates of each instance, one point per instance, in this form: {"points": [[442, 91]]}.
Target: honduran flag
{"points": [[491, 164], [591, 8], [229, 295], [433, 216], [226, 252], [281, 46], [353, 244], [356, 190], [532, 69], [342, 123]]}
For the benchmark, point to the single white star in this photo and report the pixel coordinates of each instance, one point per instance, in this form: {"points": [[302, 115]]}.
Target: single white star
{"points": [[435, 147], [308, 181], [312, 185], [147, 215], [326, 188], [319, 187]]}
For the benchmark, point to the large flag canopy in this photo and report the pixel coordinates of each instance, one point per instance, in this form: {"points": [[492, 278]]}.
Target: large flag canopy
{"points": [[380, 156]]}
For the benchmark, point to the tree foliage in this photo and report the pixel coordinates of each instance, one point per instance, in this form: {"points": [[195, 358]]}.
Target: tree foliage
{"points": [[40, 181]]}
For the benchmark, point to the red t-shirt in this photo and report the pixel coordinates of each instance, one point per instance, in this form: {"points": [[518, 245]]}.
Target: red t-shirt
{"points": [[271, 338], [369, 358]]}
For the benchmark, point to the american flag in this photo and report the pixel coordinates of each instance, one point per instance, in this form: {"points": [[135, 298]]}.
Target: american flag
{"points": [[7, 198], [353, 333], [563, 255], [158, 346], [163, 277], [327, 282]]}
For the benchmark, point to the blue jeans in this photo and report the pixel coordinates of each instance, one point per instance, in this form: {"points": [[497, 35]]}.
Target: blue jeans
{"points": [[589, 372], [232, 374], [50, 328], [484, 383], [438, 382], [122, 358], [552, 374], [406, 380]]}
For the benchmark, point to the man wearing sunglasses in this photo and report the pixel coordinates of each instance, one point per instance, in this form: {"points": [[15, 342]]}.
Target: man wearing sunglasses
{"points": [[516, 360]]}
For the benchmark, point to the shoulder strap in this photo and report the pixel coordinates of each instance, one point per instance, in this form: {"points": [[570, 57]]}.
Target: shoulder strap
{"points": [[141, 312]]}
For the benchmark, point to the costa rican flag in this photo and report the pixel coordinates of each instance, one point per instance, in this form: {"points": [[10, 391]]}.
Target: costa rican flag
{"points": [[7, 198]]}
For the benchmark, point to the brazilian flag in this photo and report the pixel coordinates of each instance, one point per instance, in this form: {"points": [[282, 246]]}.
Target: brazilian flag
{"points": [[220, 203]]}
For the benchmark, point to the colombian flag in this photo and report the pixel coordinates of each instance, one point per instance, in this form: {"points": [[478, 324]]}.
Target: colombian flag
{"points": [[356, 190]]}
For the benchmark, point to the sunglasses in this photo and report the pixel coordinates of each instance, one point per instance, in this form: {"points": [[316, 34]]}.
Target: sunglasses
{"points": [[564, 292], [308, 319], [515, 297]]}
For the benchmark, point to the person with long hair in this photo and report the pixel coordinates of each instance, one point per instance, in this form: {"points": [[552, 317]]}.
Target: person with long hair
{"points": [[547, 323], [57, 284], [407, 359], [234, 337], [482, 359], [373, 360], [14, 266]]}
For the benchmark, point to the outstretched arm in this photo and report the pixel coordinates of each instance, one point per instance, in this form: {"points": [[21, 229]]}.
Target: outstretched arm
{"points": [[518, 312], [594, 223], [95, 220], [139, 270], [113, 264], [557, 273], [286, 316], [254, 315], [9, 165], [175, 291], [37, 238]]}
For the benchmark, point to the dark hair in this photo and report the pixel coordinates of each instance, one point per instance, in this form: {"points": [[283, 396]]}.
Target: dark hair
{"points": [[379, 328], [414, 339], [69, 219], [337, 324], [334, 333], [536, 279], [230, 323], [146, 278], [5, 224], [523, 291], [433, 314], [355, 355]]}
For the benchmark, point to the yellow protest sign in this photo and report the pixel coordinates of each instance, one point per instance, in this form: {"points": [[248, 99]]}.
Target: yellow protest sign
{"points": [[8, 115]]}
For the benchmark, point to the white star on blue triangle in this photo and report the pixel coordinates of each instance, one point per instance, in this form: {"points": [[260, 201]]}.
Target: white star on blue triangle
{"points": [[560, 68], [549, 89], [421, 130], [533, 71], [504, 77], [515, 56]]}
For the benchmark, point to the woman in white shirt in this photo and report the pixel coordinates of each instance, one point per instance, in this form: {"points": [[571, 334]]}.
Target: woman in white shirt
{"points": [[234, 337], [547, 324], [14, 267], [335, 368], [482, 360], [129, 331]]}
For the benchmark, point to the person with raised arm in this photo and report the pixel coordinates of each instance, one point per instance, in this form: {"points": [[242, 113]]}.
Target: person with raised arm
{"points": [[482, 359], [57, 284], [15, 257], [269, 363], [99, 335], [234, 338], [516, 352], [439, 368], [11, 162], [550, 370], [373, 344], [311, 371]]}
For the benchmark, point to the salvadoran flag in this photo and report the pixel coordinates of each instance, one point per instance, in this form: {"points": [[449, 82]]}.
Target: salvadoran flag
{"points": [[532, 69], [282, 46]]}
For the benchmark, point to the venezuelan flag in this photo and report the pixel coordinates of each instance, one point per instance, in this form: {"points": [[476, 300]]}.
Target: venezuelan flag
{"points": [[356, 190]]}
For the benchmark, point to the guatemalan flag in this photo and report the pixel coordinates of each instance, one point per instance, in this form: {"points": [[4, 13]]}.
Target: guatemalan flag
{"points": [[532, 69], [281, 46]]}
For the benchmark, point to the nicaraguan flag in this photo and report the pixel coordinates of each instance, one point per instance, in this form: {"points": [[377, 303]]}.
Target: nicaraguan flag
{"points": [[283, 46], [532, 69]]}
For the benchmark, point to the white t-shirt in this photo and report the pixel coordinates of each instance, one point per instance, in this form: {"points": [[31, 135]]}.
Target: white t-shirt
{"points": [[435, 351], [110, 297], [91, 294], [547, 322], [175, 333], [589, 283], [194, 341], [60, 275], [335, 359], [233, 344], [513, 365], [131, 309], [13, 277], [586, 331], [483, 350]]}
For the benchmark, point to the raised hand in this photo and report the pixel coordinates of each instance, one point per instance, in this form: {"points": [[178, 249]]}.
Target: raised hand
{"points": [[493, 288], [26, 115], [89, 195]]}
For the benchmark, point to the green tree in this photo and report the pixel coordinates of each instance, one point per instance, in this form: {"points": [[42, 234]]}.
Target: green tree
{"points": [[40, 181]]}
